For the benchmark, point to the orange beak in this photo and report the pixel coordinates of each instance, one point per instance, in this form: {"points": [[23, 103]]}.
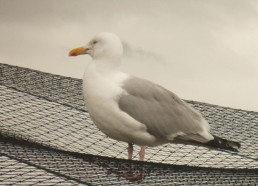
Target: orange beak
{"points": [[78, 51]]}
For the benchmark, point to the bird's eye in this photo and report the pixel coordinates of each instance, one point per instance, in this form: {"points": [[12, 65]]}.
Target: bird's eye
{"points": [[94, 42]]}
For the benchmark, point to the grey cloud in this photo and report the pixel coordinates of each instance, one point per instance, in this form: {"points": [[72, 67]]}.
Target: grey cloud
{"points": [[179, 43]]}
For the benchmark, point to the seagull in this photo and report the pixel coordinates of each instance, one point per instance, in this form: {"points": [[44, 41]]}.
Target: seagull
{"points": [[137, 111]]}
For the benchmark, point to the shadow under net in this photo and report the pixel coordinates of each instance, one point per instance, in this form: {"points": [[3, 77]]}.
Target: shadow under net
{"points": [[86, 168]]}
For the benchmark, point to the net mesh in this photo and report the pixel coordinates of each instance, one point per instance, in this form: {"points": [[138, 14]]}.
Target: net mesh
{"points": [[46, 129]]}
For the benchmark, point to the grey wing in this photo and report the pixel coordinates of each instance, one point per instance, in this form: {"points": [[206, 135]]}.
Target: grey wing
{"points": [[164, 113]]}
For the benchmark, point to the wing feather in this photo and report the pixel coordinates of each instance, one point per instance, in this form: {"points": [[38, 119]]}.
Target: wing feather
{"points": [[163, 112]]}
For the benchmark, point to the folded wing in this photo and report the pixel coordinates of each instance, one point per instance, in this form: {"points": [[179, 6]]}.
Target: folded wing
{"points": [[165, 115]]}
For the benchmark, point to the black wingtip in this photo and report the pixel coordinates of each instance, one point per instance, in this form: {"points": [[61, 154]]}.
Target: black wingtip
{"points": [[221, 143]]}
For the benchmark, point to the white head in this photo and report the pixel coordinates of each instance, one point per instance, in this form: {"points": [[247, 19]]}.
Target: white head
{"points": [[103, 46]]}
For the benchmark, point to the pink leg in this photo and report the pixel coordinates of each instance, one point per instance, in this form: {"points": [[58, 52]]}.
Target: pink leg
{"points": [[142, 153], [130, 151]]}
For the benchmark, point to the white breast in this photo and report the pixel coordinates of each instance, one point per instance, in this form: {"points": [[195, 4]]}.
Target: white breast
{"points": [[101, 91]]}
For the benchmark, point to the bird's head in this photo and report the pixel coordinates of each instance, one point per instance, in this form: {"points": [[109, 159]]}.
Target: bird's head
{"points": [[103, 45]]}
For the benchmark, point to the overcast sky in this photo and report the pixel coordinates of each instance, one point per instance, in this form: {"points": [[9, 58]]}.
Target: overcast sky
{"points": [[202, 50]]}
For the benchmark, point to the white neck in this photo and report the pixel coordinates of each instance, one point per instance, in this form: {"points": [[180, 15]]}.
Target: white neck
{"points": [[107, 66]]}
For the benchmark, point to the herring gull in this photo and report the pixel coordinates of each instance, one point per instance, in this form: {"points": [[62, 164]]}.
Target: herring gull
{"points": [[135, 110]]}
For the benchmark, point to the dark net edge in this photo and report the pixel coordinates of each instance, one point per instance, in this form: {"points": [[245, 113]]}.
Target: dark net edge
{"points": [[24, 143]]}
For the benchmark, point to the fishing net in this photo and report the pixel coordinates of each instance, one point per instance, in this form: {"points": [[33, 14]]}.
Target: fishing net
{"points": [[48, 138]]}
